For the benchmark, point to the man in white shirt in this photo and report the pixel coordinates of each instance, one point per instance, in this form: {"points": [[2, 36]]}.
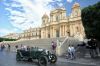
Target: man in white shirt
{"points": [[71, 52]]}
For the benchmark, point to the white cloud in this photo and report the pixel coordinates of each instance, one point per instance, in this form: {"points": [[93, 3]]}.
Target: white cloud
{"points": [[69, 1], [33, 11]]}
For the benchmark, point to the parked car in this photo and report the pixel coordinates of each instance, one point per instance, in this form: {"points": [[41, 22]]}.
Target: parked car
{"points": [[42, 55]]}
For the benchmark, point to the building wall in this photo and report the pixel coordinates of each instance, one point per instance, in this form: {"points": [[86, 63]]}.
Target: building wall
{"points": [[61, 25], [57, 25], [32, 33], [11, 36]]}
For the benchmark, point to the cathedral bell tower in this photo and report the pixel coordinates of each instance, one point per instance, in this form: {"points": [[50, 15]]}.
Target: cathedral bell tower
{"points": [[76, 11], [45, 19]]}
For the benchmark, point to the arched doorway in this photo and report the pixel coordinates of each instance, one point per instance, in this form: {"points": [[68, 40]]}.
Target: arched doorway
{"points": [[57, 33]]}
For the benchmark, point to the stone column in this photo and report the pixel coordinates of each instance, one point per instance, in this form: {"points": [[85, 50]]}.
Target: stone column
{"points": [[46, 32], [64, 30], [60, 32], [53, 32], [71, 30]]}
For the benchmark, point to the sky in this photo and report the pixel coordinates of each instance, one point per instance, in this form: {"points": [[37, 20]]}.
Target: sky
{"points": [[19, 15]]}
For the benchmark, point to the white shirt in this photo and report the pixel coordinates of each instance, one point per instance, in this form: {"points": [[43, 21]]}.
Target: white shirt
{"points": [[72, 49], [69, 49]]}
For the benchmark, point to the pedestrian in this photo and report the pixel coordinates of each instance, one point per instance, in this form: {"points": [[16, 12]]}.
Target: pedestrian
{"points": [[9, 47], [54, 46], [98, 45], [72, 52], [24, 48], [16, 47], [28, 48], [68, 52], [2, 47], [92, 45]]}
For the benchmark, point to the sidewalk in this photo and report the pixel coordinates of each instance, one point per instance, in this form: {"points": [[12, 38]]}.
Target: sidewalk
{"points": [[84, 61]]}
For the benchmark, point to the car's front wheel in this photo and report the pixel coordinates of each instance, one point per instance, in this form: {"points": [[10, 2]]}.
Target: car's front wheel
{"points": [[53, 58]]}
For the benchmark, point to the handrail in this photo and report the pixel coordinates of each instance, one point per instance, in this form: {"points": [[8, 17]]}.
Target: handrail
{"points": [[64, 41]]}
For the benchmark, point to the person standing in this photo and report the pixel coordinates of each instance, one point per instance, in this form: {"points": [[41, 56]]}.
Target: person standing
{"points": [[54, 47], [2, 47], [16, 47], [72, 52], [69, 52], [9, 47], [92, 45]]}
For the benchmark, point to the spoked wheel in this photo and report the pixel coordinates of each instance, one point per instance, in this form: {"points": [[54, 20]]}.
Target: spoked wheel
{"points": [[18, 58], [53, 58], [42, 61], [30, 59]]}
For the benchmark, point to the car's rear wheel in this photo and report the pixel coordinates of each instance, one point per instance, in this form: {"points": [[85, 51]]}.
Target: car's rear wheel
{"points": [[42, 61], [18, 57], [30, 59], [53, 58]]}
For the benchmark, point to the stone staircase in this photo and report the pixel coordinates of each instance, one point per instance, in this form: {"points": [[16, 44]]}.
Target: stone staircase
{"points": [[64, 46], [46, 43], [41, 43]]}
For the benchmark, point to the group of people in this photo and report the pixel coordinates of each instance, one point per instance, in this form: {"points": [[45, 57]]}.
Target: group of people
{"points": [[5, 46], [26, 48], [92, 45], [22, 47], [54, 45], [71, 52]]}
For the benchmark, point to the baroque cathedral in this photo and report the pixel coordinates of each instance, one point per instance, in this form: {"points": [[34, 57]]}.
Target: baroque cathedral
{"points": [[57, 25], [60, 25]]}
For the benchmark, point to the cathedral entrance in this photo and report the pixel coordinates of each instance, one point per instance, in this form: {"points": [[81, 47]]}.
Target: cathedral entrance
{"points": [[48, 35], [57, 33]]}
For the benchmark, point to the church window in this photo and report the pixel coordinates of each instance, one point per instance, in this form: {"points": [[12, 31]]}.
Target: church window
{"points": [[43, 21], [57, 18], [77, 29], [76, 13]]}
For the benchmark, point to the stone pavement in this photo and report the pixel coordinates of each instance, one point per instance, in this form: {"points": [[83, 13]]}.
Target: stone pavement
{"points": [[84, 61]]}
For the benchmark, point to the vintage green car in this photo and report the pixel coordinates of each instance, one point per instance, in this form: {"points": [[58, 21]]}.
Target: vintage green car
{"points": [[42, 55]]}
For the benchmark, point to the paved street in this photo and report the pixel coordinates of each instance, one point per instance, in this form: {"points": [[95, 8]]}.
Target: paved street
{"points": [[8, 59]]}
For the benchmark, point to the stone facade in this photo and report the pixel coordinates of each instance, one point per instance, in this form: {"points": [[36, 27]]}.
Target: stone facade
{"points": [[32, 33], [12, 36], [60, 25], [57, 24]]}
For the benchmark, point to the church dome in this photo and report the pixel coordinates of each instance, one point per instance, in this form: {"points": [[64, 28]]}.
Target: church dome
{"points": [[45, 16]]}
